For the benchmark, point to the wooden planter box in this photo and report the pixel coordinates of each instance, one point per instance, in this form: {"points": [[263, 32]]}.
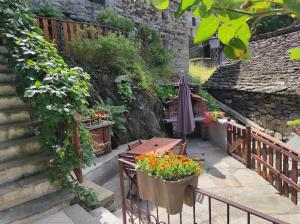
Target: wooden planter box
{"points": [[100, 131], [167, 194]]}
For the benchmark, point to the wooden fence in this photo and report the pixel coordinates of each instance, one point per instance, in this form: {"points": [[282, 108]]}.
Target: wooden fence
{"points": [[274, 160], [62, 32]]}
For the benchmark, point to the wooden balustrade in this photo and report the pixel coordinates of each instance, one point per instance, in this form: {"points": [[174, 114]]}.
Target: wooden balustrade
{"points": [[62, 32], [274, 160]]}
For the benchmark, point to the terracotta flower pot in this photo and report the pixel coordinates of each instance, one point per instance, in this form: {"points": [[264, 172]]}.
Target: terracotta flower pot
{"points": [[167, 194]]}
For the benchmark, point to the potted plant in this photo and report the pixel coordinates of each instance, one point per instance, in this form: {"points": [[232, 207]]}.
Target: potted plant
{"points": [[212, 117], [99, 127], [164, 180]]}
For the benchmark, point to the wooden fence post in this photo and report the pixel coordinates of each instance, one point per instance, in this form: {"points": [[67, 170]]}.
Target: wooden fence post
{"points": [[76, 142], [247, 152]]}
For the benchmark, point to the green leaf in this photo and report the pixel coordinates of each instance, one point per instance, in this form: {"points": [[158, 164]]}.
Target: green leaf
{"points": [[225, 34], [293, 6], [207, 28], [292, 123], [38, 84], [236, 49], [208, 3], [295, 53], [185, 5], [244, 33], [161, 4]]}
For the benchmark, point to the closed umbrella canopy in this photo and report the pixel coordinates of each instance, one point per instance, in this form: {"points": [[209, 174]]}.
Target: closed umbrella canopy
{"points": [[185, 116]]}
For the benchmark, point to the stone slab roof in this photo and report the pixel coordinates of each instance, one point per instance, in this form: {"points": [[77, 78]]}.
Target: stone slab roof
{"points": [[270, 69]]}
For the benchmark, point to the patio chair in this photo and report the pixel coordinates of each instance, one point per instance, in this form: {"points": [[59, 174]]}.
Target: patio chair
{"points": [[132, 146], [130, 172]]}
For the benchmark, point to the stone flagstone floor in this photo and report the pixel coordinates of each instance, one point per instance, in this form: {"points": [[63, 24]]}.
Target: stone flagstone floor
{"points": [[227, 177]]}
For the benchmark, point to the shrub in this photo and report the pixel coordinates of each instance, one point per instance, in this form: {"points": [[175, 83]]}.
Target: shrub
{"points": [[154, 54], [212, 104], [49, 11], [110, 18], [169, 167], [166, 93], [105, 51], [199, 73]]}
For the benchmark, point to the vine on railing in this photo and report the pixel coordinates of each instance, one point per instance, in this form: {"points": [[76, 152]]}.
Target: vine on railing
{"points": [[53, 89]]}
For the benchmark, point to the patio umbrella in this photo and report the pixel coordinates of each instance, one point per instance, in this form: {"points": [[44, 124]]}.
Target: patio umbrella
{"points": [[185, 116]]}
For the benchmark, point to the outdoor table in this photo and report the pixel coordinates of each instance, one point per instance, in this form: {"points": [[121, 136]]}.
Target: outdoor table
{"points": [[155, 146]]}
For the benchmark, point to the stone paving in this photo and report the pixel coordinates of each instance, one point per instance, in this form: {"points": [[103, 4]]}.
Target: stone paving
{"points": [[228, 178]]}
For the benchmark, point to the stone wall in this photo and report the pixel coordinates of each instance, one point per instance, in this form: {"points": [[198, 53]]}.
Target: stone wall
{"points": [[267, 110], [174, 32]]}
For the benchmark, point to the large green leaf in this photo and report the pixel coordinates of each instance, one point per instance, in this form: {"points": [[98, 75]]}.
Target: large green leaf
{"points": [[225, 33], [244, 33], [208, 3], [185, 5], [207, 28], [161, 4], [236, 49], [295, 53]]}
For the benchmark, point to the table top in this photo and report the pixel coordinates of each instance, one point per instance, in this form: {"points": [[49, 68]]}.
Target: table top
{"points": [[156, 146]]}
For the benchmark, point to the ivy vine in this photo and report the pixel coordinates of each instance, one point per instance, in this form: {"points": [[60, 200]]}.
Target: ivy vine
{"points": [[53, 89]]}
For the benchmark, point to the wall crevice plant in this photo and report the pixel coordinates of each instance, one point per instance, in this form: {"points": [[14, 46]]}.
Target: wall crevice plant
{"points": [[53, 89]]}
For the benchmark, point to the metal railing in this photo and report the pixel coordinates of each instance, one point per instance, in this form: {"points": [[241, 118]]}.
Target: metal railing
{"points": [[137, 211]]}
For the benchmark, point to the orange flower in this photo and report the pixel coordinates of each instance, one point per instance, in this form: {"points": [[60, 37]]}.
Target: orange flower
{"points": [[199, 170], [162, 166], [171, 163]]}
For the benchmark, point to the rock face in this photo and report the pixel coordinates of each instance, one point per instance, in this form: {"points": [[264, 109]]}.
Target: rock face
{"points": [[265, 88], [144, 114], [174, 31]]}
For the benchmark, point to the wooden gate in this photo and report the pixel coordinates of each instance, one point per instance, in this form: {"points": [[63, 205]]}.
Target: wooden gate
{"points": [[237, 136]]}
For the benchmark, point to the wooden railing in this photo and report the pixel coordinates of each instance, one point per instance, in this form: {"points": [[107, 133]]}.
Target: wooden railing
{"points": [[62, 32], [274, 160], [136, 211]]}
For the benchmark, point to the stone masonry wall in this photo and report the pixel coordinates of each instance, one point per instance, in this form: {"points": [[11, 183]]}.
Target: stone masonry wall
{"points": [[173, 31], [267, 110]]}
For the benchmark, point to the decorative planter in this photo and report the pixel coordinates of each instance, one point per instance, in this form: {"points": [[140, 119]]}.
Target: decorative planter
{"points": [[100, 131], [167, 194]]}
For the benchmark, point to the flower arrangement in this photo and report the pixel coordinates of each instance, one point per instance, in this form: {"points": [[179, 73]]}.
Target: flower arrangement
{"points": [[170, 167], [212, 117]]}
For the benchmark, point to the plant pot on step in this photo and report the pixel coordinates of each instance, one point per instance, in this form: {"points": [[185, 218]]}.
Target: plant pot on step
{"points": [[167, 194]]}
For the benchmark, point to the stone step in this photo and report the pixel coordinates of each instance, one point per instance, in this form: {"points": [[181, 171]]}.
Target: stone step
{"points": [[80, 216], [106, 197], [18, 130], [7, 90], [36, 209], [4, 68], [104, 216], [26, 189], [3, 59], [19, 148], [5, 76], [16, 169], [10, 102], [3, 50], [9, 116]]}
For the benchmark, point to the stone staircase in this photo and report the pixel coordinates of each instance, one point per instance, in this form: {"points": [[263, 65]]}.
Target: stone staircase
{"points": [[25, 192]]}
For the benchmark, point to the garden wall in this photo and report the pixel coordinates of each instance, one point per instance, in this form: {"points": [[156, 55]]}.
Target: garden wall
{"points": [[270, 111], [174, 32]]}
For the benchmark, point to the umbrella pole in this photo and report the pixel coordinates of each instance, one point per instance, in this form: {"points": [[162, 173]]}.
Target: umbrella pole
{"points": [[184, 140]]}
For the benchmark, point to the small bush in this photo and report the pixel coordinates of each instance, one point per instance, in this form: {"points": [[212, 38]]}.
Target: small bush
{"points": [[110, 18], [109, 51], [154, 54], [49, 11], [166, 93], [212, 104], [200, 73]]}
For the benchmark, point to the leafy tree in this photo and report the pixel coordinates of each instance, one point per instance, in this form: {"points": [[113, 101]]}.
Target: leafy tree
{"points": [[229, 20]]}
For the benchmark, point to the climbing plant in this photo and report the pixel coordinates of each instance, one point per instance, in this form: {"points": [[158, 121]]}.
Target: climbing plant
{"points": [[54, 90]]}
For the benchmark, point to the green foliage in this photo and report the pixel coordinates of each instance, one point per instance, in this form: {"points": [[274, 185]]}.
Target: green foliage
{"points": [[166, 93], [271, 23], [115, 114], [110, 18], [54, 90], [117, 53], [212, 104], [228, 19], [49, 11], [154, 54]]}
